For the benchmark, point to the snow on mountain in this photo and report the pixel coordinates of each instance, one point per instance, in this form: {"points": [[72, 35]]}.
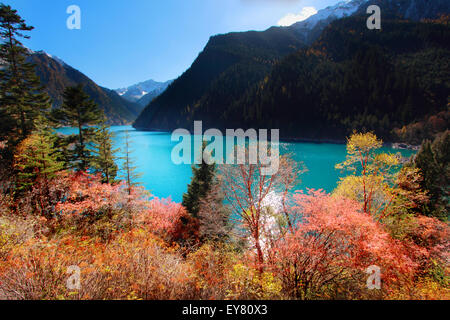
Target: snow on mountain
{"points": [[340, 10], [135, 92], [62, 63]]}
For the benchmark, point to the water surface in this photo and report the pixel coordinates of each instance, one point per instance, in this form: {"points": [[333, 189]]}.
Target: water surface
{"points": [[152, 156]]}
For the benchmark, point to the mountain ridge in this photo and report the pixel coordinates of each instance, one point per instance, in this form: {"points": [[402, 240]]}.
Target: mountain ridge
{"points": [[56, 75], [137, 92], [217, 103]]}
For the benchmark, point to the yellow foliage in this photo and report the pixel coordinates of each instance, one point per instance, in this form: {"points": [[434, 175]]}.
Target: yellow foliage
{"points": [[248, 284]]}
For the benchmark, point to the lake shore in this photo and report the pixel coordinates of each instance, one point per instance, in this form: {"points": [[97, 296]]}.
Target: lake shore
{"points": [[393, 145]]}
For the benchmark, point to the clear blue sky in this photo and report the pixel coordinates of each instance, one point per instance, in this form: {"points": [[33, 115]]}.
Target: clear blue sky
{"points": [[122, 42]]}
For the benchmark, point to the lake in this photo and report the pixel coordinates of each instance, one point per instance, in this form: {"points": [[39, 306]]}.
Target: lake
{"points": [[152, 156]]}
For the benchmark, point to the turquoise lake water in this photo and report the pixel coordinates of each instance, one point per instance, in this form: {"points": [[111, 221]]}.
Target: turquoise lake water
{"points": [[152, 156]]}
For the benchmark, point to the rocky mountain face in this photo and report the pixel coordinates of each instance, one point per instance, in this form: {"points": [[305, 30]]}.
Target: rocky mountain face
{"points": [[143, 92], [56, 75], [310, 29]]}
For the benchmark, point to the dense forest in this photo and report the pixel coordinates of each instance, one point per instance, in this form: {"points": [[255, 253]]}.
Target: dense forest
{"points": [[350, 78], [76, 226], [227, 66]]}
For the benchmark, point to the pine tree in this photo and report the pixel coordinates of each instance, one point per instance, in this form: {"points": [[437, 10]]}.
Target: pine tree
{"points": [[433, 161], [103, 159], [129, 173], [22, 96], [424, 160], [79, 111], [199, 187], [36, 158]]}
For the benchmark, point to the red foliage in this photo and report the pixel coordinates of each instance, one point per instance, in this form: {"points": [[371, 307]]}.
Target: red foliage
{"points": [[88, 199], [432, 235], [168, 219], [336, 241], [87, 195]]}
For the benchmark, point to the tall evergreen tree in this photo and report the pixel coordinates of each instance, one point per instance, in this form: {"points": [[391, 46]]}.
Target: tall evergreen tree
{"points": [[37, 163], [129, 173], [200, 185], [79, 111], [103, 159], [433, 160], [36, 158], [22, 96]]}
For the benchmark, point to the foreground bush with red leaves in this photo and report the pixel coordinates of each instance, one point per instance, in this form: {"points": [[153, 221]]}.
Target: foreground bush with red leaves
{"points": [[134, 246], [330, 250]]}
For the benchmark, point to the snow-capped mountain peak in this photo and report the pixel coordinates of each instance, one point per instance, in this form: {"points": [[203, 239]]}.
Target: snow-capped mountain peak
{"points": [[135, 92], [61, 62], [340, 10]]}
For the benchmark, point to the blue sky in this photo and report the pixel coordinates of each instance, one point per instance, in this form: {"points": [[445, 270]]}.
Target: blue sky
{"points": [[122, 42]]}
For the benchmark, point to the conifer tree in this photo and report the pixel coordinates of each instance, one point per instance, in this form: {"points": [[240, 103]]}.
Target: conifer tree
{"points": [[36, 158], [200, 185], [22, 96], [129, 173], [79, 111], [433, 161], [103, 159]]}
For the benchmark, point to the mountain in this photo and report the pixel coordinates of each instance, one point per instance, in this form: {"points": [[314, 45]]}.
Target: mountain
{"points": [[148, 89], [146, 99], [348, 78], [56, 75], [231, 61], [230, 65], [414, 10], [310, 29]]}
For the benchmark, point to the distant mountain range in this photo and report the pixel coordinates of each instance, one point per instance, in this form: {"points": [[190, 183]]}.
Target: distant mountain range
{"points": [[56, 75], [313, 79], [144, 92]]}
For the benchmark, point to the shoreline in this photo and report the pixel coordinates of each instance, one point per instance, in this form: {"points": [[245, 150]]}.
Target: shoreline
{"points": [[393, 145]]}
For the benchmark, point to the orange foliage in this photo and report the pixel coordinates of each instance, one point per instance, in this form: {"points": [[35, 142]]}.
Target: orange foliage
{"points": [[334, 243]]}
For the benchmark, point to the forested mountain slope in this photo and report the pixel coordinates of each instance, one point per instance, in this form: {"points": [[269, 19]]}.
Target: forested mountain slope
{"points": [[353, 79], [56, 75], [350, 78], [227, 66]]}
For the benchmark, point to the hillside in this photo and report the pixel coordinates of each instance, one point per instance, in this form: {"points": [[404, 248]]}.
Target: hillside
{"points": [[350, 78], [228, 65], [353, 79], [56, 75]]}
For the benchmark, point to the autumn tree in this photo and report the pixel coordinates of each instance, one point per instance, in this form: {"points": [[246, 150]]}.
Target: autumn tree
{"points": [[103, 153], [330, 249], [256, 199], [21, 94], [372, 177], [214, 216], [79, 111]]}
